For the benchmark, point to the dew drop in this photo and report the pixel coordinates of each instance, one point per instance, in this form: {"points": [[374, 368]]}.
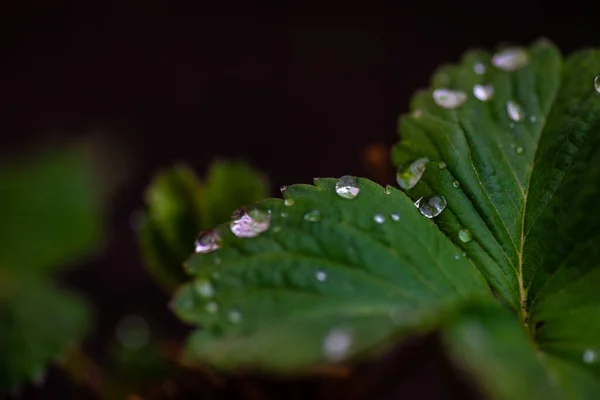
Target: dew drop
{"points": [[204, 288], [519, 150], [313, 216], [234, 316], [532, 119], [479, 68], [465, 235], [347, 187], [207, 241], [247, 224], [431, 206], [514, 111], [395, 217], [589, 356], [212, 307], [597, 84], [447, 98], [456, 184], [321, 276], [456, 257], [510, 59], [288, 202], [409, 173], [442, 165], [379, 218], [336, 344], [483, 92]]}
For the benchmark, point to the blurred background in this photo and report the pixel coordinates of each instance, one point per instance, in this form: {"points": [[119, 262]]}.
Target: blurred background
{"points": [[294, 92]]}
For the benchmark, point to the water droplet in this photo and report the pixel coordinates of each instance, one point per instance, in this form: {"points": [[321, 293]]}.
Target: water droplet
{"points": [[465, 235], [456, 257], [313, 216], [590, 356], [282, 188], [442, 165], [204, 287], [431, 206], [133, 332], [464, 254], [510, 59], [212, 307], [379, 218], [519, 150], [456, 184], [514, 111], [283, 215], [234, 316], [288, 202], [479, 68], [597, 83], [447, 98], [388, 189], [207, 241], [247, 224], [532, 119], [483, 92], [336, 344], [395, 216], [408, 174], [321, 276], [347, 187]]}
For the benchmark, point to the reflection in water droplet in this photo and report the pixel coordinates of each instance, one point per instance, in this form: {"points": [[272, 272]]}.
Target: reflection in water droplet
{"points": [[395, 216], [449, 99], [590, 356], [597, 83], [212, 307], [510, 59], [456, 184], [442, 165], [409, 173], [456, 257], [431, 206], [465, 235], [483, 92], [133, 332], [519, 150], [479, 68], [379, 218], [204, 287], [336, 344], [207, 241], [234, 316], [514, 111], [247, 224], [282, 188], [313, 216], [347, 187], [321, 276], [288, 202]]}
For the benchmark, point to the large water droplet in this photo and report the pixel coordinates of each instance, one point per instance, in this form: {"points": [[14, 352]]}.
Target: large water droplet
{"points": [[510, 59], [247, 224], [204, 287], [379, 218], [336, 344], [408, 174], [515, 111], [519, 150], [395, 216], [479, 68], [597, 83], [465, 235], [347, 187], [313, 216], [590, 356], [207, 241], [483, 92], [212, 307], [234, 316], [321, 276], [431, 206], [447, 98]]}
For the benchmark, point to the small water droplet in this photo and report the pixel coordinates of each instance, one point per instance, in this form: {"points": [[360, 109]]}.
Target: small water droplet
{"points": [[479, 68], [283, 215], [204, 287], [321, 276], [431, 206], [442, 165], [590, 356], [133, 332], [510, 59], [336, 344], [282, 188], [532, 119], [395, 216], [409, 173], [248, 224], [456, 257], [379, 218], [288, 202], [456, 184], [207, 241], [464, 254], [447, 98], [465, 235], [519, 150], [212, 307], [347, 187], [514, 111], [597, 84], [313, 216], [483, 92], [234, 316]]}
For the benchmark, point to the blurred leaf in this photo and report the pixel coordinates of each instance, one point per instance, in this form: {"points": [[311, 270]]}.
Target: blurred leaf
{"points": [[179, 206]]}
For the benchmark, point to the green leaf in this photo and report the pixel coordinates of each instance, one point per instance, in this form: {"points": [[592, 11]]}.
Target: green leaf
{"points": [[529, 197], [325, 282], [179, 206]]}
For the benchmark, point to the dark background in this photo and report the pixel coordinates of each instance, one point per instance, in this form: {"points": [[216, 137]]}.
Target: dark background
{"points": [[296, 92]]}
